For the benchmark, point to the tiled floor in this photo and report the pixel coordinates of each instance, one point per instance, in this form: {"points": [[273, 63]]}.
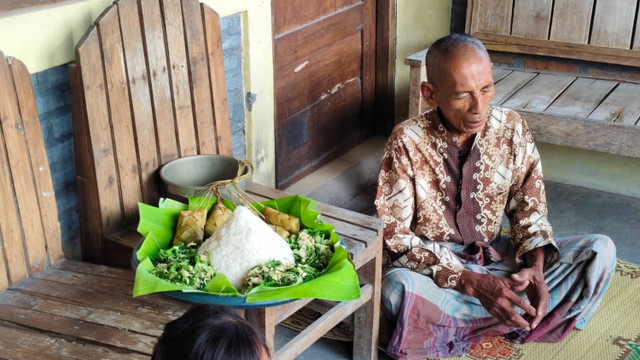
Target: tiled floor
{"points": [[349, 182]]}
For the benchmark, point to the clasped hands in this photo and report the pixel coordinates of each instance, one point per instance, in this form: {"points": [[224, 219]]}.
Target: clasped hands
{"points": [[498, 295]]}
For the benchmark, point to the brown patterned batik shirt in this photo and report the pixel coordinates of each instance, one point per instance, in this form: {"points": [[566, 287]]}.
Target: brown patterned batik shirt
{"points": [[429, 191]]}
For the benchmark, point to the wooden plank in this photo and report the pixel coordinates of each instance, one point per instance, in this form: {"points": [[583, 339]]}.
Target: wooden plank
{"points": [[15, 268], [90, 64], [321, 76], [509, 85], [493, 16], [322, 325], [8, 6], [39, 162], [141, 104], [90, 226], [19, 167], [499, 74], [179, 73], [211, 21], [200, 85], [571, 21], [78, 311], [581, 98], [539, 93], [368, 77], [352, 217], [99, 299], [89, 332], [19, 343], [292, 14], [613, 23], [120, 112], [95, 269], [156, 55], [291, 49], [531, 19], [621, 106], [609, 137], [559, 49], [636, 36]]}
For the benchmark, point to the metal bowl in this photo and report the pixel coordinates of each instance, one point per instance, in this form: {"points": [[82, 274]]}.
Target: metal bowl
{"points": [[189, 176]]}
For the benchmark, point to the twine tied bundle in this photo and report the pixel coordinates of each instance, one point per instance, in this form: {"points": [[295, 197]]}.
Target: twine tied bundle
{"points": [[193, 225]]}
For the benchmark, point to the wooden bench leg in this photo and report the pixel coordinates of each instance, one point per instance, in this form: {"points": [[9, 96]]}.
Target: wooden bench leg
{"points": [[366, 320], [264, 320]]}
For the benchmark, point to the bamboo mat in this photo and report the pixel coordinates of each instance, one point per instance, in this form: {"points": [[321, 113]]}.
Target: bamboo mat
{"points": [[612, 333]]}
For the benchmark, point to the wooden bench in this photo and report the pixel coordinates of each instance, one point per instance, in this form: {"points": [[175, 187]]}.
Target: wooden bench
{"points": [[594, 112], [148, 87], [52, 308]]}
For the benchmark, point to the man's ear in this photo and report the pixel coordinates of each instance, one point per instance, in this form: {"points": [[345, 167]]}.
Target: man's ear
{"points": [[427, 91]]}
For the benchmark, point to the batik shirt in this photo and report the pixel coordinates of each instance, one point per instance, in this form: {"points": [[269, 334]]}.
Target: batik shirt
{"points": [[429, 191]]}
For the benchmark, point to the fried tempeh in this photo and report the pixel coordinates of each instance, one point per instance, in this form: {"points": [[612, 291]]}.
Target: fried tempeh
{"points": [[286, 221]]}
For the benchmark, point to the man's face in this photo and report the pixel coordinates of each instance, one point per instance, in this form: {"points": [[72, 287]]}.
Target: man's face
{"points": [[463, 91]]}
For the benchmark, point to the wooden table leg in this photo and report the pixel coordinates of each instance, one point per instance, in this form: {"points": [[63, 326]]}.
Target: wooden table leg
{"points": [[366, 320], [264, 320]]}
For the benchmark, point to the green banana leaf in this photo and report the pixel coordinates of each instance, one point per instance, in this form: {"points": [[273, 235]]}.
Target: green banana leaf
{"points": [[338, 282]]}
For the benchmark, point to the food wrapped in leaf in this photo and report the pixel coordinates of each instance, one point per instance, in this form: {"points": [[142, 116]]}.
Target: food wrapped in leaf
{"points": [[218, 216], [190, 227], [280, 230], [286, 221]]}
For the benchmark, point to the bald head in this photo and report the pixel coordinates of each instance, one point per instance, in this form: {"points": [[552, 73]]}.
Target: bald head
{"points": [[443, 49]]}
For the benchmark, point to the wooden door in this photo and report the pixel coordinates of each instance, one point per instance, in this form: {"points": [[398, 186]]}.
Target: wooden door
{"points": [[324, 66]]}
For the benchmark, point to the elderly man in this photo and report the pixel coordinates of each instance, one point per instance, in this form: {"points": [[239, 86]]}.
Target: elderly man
{"points": [[447, 178]]}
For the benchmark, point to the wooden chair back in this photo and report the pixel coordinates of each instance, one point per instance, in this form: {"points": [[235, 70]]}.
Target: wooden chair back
{"points": [[601, 31], [30, 238], [148, 87]]}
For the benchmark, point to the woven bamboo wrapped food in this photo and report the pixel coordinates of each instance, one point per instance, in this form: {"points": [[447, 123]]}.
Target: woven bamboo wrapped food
{"points": [[190, 227], [218, 216], [286, 221]]}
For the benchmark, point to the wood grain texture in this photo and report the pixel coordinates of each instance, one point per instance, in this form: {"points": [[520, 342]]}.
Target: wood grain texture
{"points": [[39, 162], [510, 84], [7, 6], [179, 74], [621, 106], [559, 49], [531, 19], [199, 70], [140, 89], [636, 36], [16, 266], [221, 118], [571, 21], [156, 53], [581, 97], [97, 113], [610, 137], [117, 88], [539, 93], [30, 232], [493, 16], [613, 23], [295, 13]]}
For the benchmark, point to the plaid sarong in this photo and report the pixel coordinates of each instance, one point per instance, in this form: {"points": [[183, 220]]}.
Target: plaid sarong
{"points": [[433, 322]]}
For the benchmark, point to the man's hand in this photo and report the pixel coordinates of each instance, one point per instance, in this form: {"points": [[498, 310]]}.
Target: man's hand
{"points": [[537, 290], [498, 296]]}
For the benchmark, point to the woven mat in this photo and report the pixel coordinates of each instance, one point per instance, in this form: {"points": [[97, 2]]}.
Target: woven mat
{"points": [[612, 333]]}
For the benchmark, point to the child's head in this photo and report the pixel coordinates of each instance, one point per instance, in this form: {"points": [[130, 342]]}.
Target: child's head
{"points": [[210, 332]]}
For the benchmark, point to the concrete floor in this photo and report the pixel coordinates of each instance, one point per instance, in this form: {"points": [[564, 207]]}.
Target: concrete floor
{"points": [[349, 182]]}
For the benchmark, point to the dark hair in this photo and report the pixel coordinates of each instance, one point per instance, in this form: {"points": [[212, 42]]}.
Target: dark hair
{"points": [[442, 48], [209, 332]]}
